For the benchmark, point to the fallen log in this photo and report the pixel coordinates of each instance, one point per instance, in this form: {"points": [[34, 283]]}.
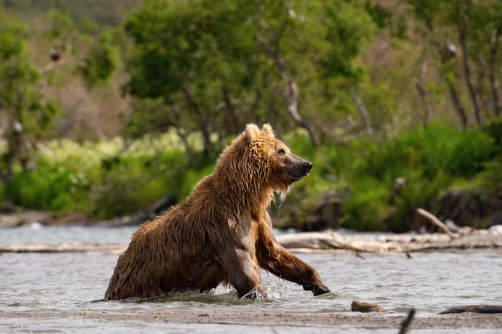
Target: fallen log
{"points": [[484, 309]]}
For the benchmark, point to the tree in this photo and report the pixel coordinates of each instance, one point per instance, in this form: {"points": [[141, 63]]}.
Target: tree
{"points": [[199, 59], [25, 112], [476, 26], [219, 66], [96, 59], [101, 61]]}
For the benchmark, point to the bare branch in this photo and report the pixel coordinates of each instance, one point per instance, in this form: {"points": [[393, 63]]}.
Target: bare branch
{"points": [[436, 222], [292, 95], [50, 66], [274, 52], [364, 113]]}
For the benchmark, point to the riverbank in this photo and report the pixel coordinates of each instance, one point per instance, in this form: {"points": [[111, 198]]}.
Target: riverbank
{"points": [[276, 319], [316, 242]]}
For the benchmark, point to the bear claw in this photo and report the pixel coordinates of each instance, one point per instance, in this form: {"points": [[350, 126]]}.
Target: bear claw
{"points": [[316, 289]]}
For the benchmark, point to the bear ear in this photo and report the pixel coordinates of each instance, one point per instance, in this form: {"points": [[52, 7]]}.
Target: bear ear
{"points": [[267, 130], [252, 131]]}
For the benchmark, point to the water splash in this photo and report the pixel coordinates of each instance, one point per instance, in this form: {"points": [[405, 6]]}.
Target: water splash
{"points": [[267, 292]]}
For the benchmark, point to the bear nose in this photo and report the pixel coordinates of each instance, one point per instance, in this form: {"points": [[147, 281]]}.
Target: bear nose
{"points": [[308, 165]]}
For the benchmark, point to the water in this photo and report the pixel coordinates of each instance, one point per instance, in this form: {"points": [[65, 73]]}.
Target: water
{"points": [[38, 234], [431, 282]]}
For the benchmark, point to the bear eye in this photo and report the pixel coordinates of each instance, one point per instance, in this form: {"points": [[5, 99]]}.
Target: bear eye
{"points": [[281, 151]]}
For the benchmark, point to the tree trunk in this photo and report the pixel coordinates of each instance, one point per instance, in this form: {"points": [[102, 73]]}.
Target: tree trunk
{"points": [[204, 126], [293, 94], [461, 27], [457, 104], [292, 97], [423, 94], [493, 80], [364, 113]]}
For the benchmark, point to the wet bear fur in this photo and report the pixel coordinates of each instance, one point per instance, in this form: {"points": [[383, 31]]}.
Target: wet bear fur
{"points": [[222, 232]]}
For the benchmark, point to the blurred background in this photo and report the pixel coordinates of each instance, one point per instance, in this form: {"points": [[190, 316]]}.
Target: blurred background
{"points": [[110, 112]]}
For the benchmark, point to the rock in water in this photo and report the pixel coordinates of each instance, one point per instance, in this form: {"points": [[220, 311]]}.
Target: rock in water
{"points": [[358, 306]]}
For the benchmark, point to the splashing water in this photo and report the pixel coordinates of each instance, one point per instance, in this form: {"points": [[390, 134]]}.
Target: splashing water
{"points": [[268, 292]]}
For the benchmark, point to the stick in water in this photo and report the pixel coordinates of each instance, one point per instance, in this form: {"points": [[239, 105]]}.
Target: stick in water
{"points": [[405, 326]]}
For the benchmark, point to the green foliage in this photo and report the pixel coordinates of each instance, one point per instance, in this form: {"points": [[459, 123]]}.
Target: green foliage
{"points": [[470, 153], [107, 179], [379, 14], [491, 175], [15, 67], [119, 178], [62, 26], [493, 128], [363, 174], [23, 107], [123, 188], [204, 69], [101, 62], [58, 190], [216, 67]]}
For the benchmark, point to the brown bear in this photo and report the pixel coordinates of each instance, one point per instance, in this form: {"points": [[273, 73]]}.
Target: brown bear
{"points": [[222, 232]]}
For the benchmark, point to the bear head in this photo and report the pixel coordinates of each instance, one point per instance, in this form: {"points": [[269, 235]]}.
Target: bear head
{"points": [[281, 167]]}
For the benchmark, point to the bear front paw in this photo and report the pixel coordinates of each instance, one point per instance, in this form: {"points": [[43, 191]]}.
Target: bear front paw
{"points": [[317, 289]]}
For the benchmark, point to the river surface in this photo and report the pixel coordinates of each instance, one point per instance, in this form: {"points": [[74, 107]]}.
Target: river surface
{"points": [[431, 282]]}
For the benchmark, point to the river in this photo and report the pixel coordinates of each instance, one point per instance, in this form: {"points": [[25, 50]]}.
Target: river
{"points": [[431, 282]]}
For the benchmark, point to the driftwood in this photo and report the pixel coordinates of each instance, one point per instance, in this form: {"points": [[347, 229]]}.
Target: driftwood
{"points": [[63, 248], [405, 326], [436, 222], [363, 307], [309, 242], [485, 309], [317, 242], [408, 254]]}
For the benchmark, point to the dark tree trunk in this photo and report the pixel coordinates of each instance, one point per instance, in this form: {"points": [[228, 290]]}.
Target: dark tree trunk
{"points": [[493, 80], [457, 104], [204, 125], [459, 109], [462, 30], [422, 93]]}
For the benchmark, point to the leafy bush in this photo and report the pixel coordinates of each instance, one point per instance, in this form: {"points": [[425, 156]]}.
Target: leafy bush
{"points": [[106, 179], [114, 178], [432, 161]]}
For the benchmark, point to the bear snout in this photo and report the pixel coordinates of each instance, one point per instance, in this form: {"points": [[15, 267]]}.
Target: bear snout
{"points": [[308, 166], [298, 167]]}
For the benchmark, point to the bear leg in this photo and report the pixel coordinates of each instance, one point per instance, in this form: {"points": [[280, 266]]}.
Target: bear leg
{"points": [[277, 260], [244, 273]]}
